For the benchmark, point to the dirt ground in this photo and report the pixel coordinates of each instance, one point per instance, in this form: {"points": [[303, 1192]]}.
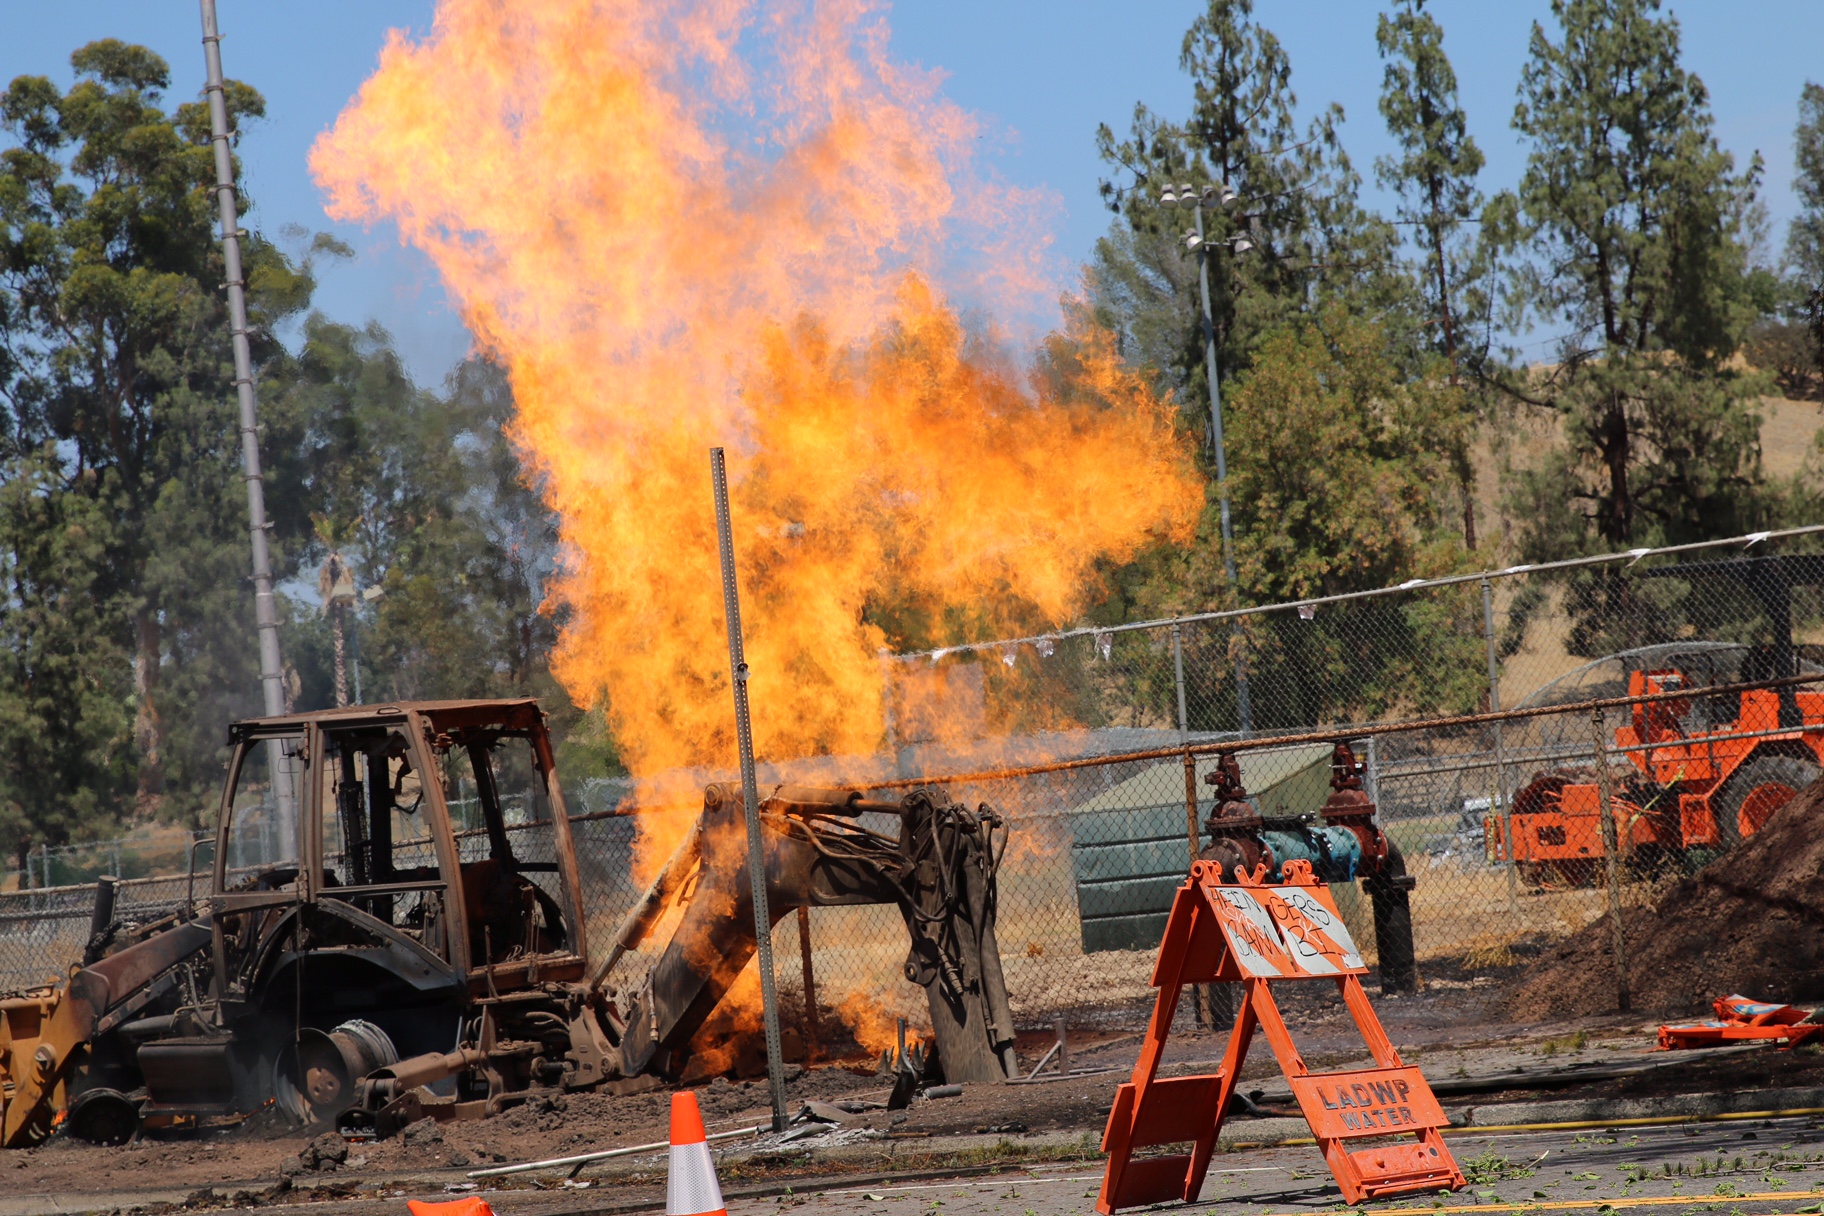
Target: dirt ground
{"points": [[263, 1161], [1539, 1026], [1751, 923]]}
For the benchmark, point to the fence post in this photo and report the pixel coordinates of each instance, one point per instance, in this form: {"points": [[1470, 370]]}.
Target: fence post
{"points": [[811, 1032], [1213, 1004], [1184, 740], [1611, 847], [1500, 795]]}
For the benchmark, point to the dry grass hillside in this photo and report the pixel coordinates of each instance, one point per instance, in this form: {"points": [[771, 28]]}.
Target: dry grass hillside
{"points": [[1788, 431]]}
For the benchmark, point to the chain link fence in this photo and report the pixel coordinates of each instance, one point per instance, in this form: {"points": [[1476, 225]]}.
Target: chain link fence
{"points": [[1096, 744], [1498, 817]]}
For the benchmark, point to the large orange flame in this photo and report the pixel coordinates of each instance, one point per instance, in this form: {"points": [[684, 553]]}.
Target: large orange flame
{"points": [[687, 223]]}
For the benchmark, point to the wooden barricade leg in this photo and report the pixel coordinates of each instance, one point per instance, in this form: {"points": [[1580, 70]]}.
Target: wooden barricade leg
{"points": [[1149, 1110], [1256, 934]]}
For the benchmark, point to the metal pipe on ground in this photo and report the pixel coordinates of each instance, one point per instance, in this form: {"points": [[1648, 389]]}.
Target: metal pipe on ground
{"points": [[582, 1159]]}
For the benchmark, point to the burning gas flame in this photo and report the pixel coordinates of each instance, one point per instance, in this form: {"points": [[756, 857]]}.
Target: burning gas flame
{"points": [[689, 223]]}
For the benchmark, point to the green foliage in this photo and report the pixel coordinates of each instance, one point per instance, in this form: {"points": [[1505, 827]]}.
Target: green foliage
{"points": [[1435, 178], [1338, 457], [66, 755], [425, 498], [1805, 238], [1798, 354], [1490, 1166], [127, 612], [117, 367], [1631, 225], [1296, 202], [1338, 460], [1435, 172]]}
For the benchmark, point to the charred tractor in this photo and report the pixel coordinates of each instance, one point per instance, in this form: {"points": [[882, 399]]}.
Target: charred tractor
{"points": [[1703, 770], [395, 928]]}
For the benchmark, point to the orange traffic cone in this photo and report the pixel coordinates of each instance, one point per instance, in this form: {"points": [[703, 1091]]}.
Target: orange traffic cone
{"points": [[691, 1188]]}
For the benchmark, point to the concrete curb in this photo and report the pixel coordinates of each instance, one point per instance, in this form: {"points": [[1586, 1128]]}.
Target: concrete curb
{"points": [[1671, 1106]]}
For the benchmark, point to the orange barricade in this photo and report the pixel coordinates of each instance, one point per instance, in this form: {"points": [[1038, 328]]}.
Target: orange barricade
{"points": [[1255, 934], [1740, 1020]]}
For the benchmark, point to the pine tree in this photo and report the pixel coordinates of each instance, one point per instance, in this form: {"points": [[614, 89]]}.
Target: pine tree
{"points": [[1294, 201], [1435, 178], [1805, 238], [1630, 228]]}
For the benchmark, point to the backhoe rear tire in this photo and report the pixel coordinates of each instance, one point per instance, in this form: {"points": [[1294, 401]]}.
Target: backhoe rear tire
{"points": [[1754, 792]]}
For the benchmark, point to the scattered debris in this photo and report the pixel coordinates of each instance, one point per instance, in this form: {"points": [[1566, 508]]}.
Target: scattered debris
{"points": [[1739, 1019]]}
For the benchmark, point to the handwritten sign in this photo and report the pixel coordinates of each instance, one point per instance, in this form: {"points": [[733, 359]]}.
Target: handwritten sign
{"points": [[1313, 930], [1252, 938]]}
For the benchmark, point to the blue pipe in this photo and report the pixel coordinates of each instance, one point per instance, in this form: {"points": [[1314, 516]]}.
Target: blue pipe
{"points": [[1335, 853]]}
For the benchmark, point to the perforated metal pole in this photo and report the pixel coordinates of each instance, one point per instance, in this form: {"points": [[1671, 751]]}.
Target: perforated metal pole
{"points": [[1611, 848], [265, 612], [750, 794]]}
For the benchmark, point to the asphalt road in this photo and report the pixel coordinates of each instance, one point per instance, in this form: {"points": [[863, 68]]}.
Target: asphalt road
{"points": [[1758, 1169]]}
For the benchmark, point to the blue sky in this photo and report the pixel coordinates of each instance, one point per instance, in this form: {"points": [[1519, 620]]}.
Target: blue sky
{"points": [[1040, 73]]}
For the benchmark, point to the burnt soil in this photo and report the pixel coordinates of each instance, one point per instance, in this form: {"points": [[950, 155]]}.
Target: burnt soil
{"points": [[1750, 923], [256, 1161]]}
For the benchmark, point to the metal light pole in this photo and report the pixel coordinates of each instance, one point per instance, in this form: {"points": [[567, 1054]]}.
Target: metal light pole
{"points": [[265, 613], [1187, 196]]}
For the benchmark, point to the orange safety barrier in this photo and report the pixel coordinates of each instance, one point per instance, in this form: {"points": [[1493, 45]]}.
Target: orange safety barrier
{"points": [[473, 1205], [1255, 934], [1740, 1020]]}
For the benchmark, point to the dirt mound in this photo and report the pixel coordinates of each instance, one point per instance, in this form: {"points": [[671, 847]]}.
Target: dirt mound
{"points": [[1751, 922]]}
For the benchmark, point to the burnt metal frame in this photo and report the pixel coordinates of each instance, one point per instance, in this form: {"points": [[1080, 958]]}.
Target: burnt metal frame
{"points": [[517, 718]]}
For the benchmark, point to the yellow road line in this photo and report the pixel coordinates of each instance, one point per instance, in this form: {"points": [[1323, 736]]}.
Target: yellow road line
{"points": [[1567, 1205], [1471, 1129]]}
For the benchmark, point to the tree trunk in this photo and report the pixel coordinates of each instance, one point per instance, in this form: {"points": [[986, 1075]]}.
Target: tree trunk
{"points": [[341, 646], [1619, 527], [1469, 512], [147, 730]]}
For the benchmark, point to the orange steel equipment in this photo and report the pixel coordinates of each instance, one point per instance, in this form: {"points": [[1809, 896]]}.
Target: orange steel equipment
{"points": [[1725, 788], [1696, 783], [1740, 1020], [1690, 788], [1254, 933]]}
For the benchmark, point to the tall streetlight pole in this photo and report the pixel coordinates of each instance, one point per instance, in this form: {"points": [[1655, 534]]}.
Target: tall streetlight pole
{"points": [[265, 611], [1188, 197]]}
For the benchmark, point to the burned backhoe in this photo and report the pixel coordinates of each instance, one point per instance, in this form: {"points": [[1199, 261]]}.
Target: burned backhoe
{"points": [[939, 871], [395, 928]]}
